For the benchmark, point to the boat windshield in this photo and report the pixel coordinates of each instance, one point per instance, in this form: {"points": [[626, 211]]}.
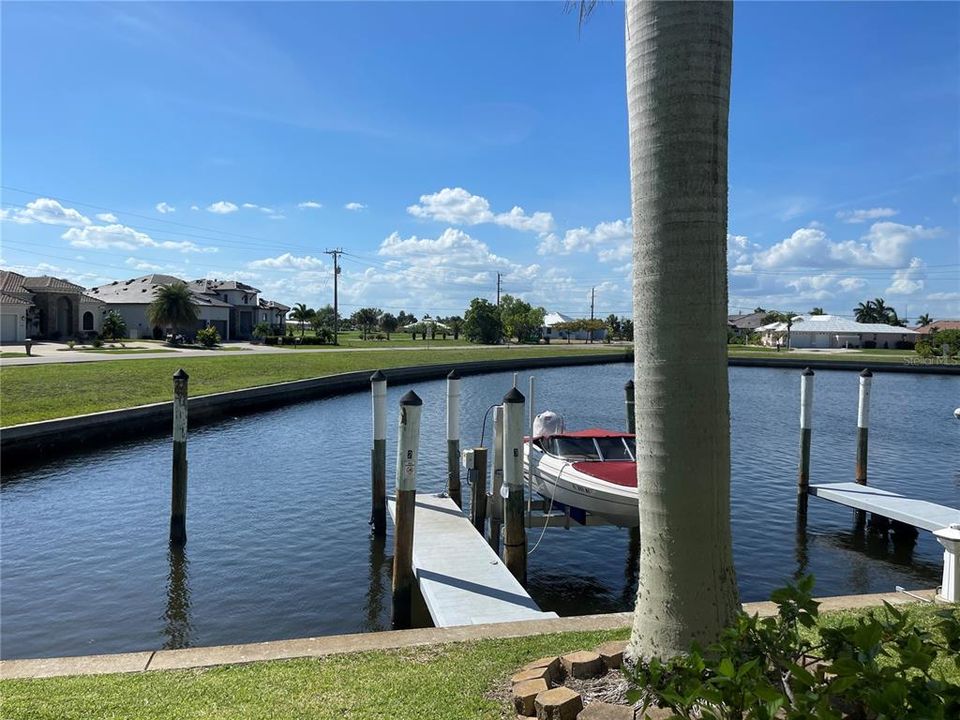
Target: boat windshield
{"points": [[613, 448], [575, 447]]}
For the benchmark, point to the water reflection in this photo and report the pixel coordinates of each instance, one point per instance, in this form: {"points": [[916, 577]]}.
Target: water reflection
{"points": [[379, 585], [631, 571], [177, 626]]}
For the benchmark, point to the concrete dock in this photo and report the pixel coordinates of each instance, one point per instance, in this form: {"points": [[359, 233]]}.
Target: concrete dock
{"points": [[918, 513], [461, 579]]}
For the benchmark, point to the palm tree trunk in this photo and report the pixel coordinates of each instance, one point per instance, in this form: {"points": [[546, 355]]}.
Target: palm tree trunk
{"points": [[678, 93]]}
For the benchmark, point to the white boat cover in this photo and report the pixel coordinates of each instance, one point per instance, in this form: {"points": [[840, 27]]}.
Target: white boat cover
{"points": [[547, 423]]}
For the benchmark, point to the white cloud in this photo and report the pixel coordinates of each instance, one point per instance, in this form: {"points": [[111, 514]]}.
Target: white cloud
{"points": [[195, 207], [249, 205], [107, 217], [222, 207], [288, 261], [309, 204], [355, 206], [944, 296], [617, 232], [860, 216], [48, 212], [164, 208], [461, 207], [885, 245], [850, 284], [142, 265], [116, 236], [909, 280]]}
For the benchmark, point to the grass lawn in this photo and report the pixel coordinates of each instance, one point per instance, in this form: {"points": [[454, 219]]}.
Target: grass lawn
{"points": [[120, 351], [438, 682], [41, 392], [895, 356], [354, 339], [12, 354]]}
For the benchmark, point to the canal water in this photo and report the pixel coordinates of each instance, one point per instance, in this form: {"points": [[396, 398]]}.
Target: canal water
{"points": [[279, 544]]}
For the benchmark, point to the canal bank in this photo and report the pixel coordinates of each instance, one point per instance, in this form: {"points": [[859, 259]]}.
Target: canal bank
{"points": [[315, 647]]}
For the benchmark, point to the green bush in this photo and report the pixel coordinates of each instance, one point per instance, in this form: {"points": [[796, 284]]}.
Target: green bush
{"points": [[208, 336], [113, 326], [880, 666], [924, 349], [97, 342], [261, 330]]}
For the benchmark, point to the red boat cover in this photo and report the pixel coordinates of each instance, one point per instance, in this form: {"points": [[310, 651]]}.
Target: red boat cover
{"points": [[618, 472], [594, 433]]}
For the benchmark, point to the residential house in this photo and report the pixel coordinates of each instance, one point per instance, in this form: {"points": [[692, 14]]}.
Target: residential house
{"points": [[274, 314], [243, 299], [938, 325], [46, 307], [831, 331], [131, 298], [746, 324], [550, 331]]}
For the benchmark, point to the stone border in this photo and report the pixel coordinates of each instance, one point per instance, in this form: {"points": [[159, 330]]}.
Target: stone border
{"points": [[852, 364], [19, 443], [365, 642]]}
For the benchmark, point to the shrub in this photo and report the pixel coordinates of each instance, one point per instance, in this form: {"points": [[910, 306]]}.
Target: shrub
{"points": [[208, 336], [113, 326], [71, 343], [97, 342], [869, 344], [261, 330], [879, 666], [904, 345], [924, 349], [271, 340]]}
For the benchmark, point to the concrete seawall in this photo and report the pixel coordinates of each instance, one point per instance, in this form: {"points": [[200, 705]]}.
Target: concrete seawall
{"points": [[853, 363], [22, 444]]}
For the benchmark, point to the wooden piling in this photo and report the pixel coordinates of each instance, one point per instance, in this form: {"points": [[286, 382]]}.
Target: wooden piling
{"points": [[478, 496], [495, 507], [378, 455], [863, 425], [178, 496], [630, 402], [515, 531], [453, 438], [806, 424], [408, 444]]}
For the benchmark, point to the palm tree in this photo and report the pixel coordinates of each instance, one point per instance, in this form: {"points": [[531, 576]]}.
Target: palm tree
{"points": [[924, 319], [303, 315], [173, 307], [817, 311], [678, 92], [865, 312]]}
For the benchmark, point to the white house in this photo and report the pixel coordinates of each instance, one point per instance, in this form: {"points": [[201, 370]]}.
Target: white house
{"points": [[47, 308], [831, 331], [549, 331]]}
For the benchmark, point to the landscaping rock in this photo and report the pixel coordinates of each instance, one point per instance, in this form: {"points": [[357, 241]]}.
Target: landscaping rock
{"points": [[606, 711], [538, 673], [656, 713], [561, 703], [612, 653], [552, 662], [582, 664], [525, 693]]}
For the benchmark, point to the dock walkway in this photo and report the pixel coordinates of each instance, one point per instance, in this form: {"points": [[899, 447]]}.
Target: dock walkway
{"points": [[462, 580], [918, 513]]}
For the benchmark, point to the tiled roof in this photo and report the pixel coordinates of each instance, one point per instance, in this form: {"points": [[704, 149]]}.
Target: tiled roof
{"points": [[6, 299], [11, 281], [939, 325], [273, 304], [749, 321], [143, 290], [834, 324], [215, 285], [46, 283]]}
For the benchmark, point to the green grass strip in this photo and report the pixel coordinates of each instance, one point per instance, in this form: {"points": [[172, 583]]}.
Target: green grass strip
{"points": [[43, 392]]}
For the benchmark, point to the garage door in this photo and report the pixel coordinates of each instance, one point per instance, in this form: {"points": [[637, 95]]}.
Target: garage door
{"points": [[8, 328]]}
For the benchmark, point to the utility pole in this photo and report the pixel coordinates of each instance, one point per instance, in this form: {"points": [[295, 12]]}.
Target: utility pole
{"points": [[499, 277], [336, 310], [593, 291]]}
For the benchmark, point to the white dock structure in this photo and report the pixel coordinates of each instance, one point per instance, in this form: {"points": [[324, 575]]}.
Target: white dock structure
{"points": [[461, 579], [918, 513]]}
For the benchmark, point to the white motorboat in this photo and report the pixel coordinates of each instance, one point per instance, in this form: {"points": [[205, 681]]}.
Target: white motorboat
{"points": [[590, 471]]}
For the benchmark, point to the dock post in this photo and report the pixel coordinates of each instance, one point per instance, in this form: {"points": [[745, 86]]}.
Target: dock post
{"points": [[515, 531], [478, 498], [178, 499], [408, 445], [378, 457], [631, 413], [496, 499], [453, 438], [529, 462], [863, 425], [806, 425]]}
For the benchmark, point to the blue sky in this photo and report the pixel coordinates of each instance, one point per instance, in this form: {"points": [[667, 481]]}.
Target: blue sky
{"points": [[440, 143]]}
